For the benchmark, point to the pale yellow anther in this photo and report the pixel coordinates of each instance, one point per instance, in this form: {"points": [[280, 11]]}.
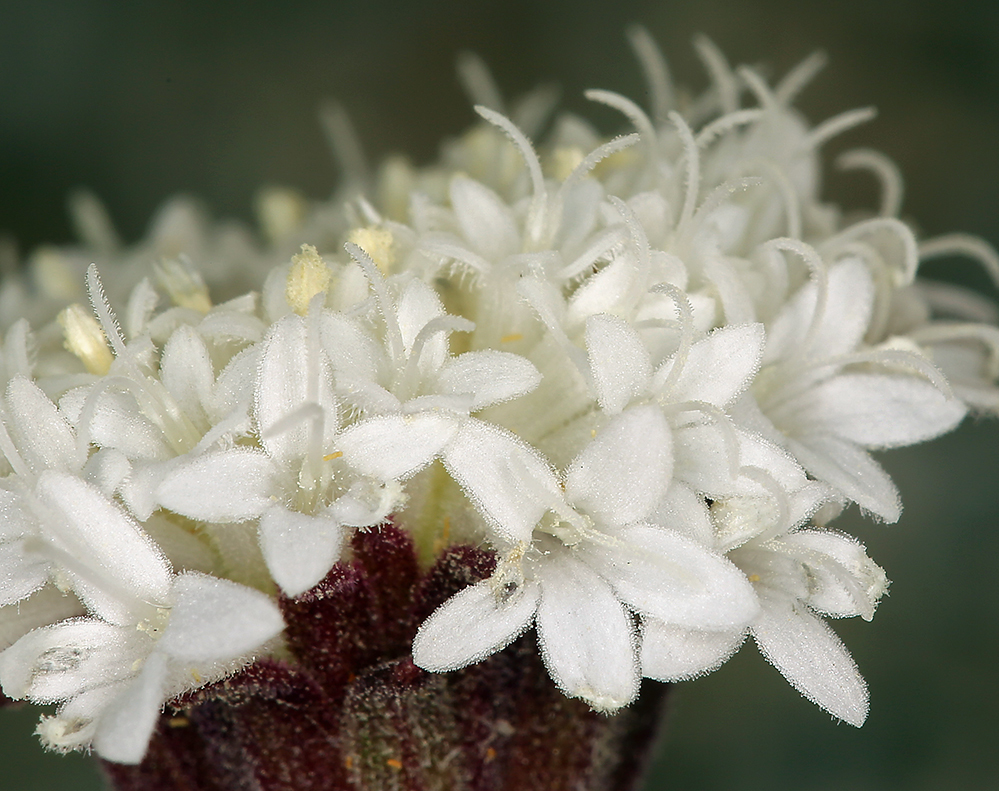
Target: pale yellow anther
{"points": [[280, 212], [85, 338], [376, 242], [309, 275], [564, 160], [334, 455], [183, 284], [513, 337], [754, 577], [54, 275]]}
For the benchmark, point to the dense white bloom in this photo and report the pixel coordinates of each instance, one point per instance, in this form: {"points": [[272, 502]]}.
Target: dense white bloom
{"points": [[644, 371]]}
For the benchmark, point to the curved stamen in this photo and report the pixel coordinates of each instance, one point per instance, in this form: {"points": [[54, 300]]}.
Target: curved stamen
{"points": [[940, 332], [662, 382], [535, 224], [477, 80], [344, 143], [693, 182], [776, 491], [655, 70], [796, 79], [730, 439], [884, 170], [633, 113], [963, 244], [764, 95], [818, 275], [838, 124], [726, 123], [392, 330], [720, 72]]}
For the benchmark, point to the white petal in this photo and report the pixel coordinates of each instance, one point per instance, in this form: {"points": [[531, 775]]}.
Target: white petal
{"points": [[106, 469], [97, 534], [353, 352], [619, 361], [59, 661], [186, 370], [217, 619], [586, 637], [473, 624], [879, 410], [849, 301], [129, 719], [43, 436], [21, 574], [225, 486], [663, 574], [811, 657], [283, 389], [509, 482], [396, 446], [684, 511], [486, 221], [419, 304], [843, 580], [851, 470], [676, 653], [47, 606], [489, 376], [234, 386], [299, 549], [622, 474], [719, 367]]}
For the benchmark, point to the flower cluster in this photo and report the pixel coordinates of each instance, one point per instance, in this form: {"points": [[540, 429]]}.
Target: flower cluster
{"points": [[645, 372]]}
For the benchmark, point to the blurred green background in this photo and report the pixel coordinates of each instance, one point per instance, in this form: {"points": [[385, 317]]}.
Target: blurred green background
{"points": [[141, 100]]}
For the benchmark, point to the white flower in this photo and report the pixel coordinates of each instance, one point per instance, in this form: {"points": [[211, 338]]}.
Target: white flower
{"points": [[595, 560]]}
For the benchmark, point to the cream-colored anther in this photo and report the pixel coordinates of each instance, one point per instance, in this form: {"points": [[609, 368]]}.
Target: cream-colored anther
{"points": [[376, 242], [564, 160], [309, 275], [54, 275], [85, 338], [280, 212], [183, 284]]}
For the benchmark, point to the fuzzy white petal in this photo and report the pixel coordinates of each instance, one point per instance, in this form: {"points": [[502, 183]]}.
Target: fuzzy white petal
{"points": [[102, 538], [719, 367], [879, 410], [624, 471], [851, 470], [509, 482], [216, 619], [676, 653], [485, 220], [42, 434], [489, 376], [186, 370], [56, 662], [129, 719], [586, 636], [299, 549], [225, 486], [811, 657], [283, 388], [396, 446], [473, 624], [21, 574], [668, 576], [619, 361]]}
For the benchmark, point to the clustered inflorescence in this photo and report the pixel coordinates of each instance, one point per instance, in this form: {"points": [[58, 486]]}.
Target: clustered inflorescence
{"points": [[644, 372]]}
